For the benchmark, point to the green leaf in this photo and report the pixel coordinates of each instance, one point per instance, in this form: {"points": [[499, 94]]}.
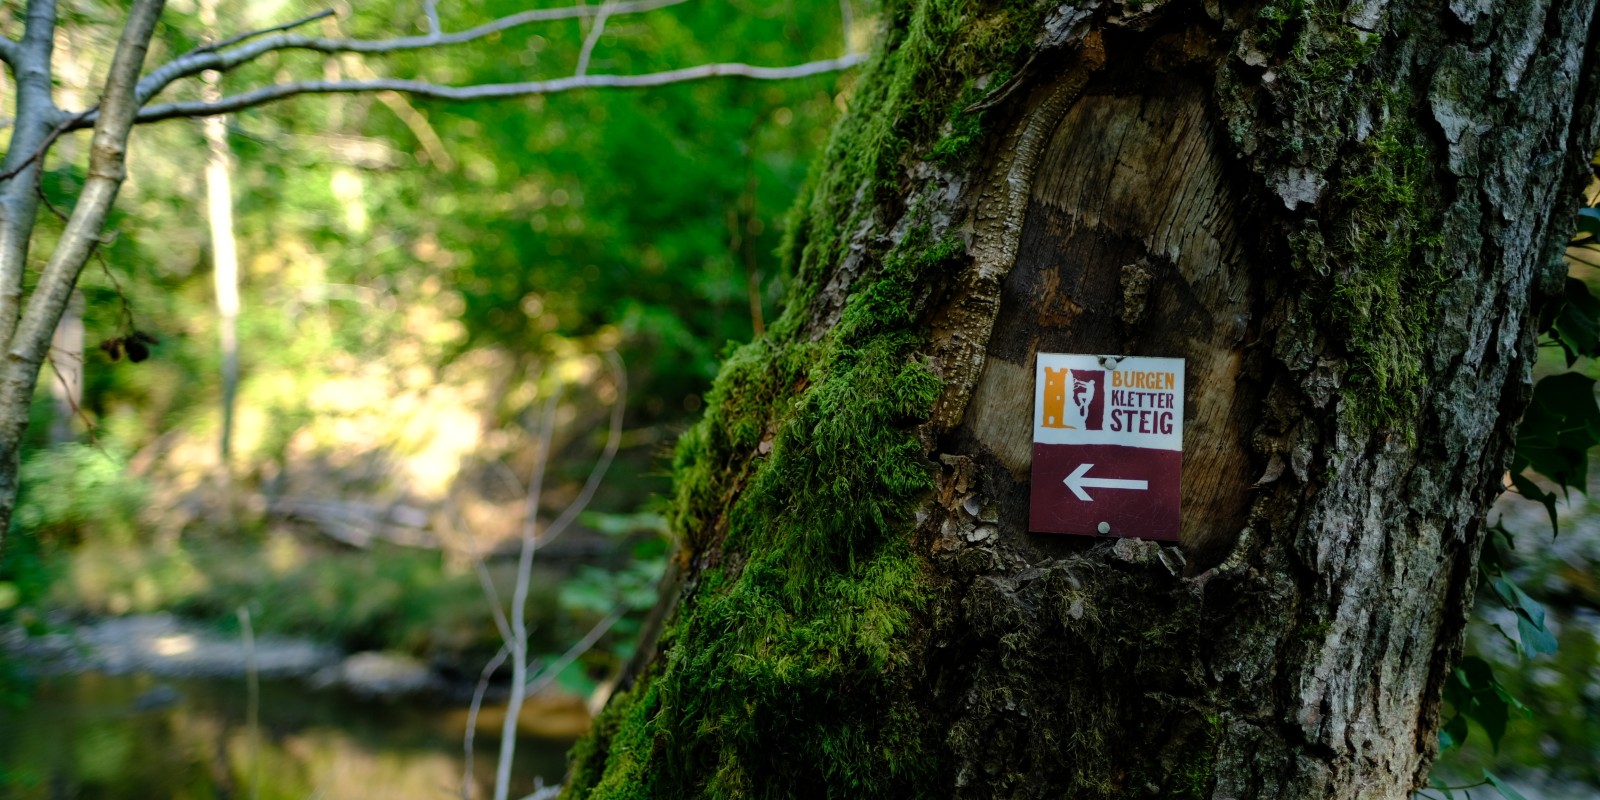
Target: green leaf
{"points": [[1475, 674], [1589, 221], [1454, 733], [1492, 713], [1501, 787], [1577, 324], [1531, 490], [1560, 427], [1535, 636], [1441, 786], [1475, 693]]}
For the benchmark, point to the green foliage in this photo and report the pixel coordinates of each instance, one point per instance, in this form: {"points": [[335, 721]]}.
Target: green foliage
{"points": [[71, 490], [1474, 694], [1534, 637], [1555, 437], [1576, 328]]}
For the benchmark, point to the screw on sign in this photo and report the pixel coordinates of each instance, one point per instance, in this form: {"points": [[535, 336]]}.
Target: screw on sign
{"points": [[1107, 445]]}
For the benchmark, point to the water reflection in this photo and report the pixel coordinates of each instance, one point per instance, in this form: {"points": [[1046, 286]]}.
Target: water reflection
{"points": [[93, 736]]}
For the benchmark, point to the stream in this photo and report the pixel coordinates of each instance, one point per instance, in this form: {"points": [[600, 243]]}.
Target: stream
{"points": [[90, 736]]}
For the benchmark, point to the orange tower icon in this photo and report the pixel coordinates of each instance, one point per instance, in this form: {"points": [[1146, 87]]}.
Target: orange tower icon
{"points": [[1056, 382]]}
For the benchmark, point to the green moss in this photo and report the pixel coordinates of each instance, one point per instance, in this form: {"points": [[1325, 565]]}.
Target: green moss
{"points": [[791, 665], [1198, 775], [920, 80], [789, 669], [1371, 252], [1382, 275]]}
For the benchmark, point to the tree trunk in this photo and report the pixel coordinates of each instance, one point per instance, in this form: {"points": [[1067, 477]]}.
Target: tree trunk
{"points": [[224, 251], [1346, 221]]}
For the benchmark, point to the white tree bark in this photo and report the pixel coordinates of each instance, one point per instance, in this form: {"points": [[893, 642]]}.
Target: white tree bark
{"points": [[224, 246]]}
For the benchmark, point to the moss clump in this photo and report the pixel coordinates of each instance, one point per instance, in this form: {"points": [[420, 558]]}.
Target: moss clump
{"points": [[1370, 253], [1380, 274], [1198, 776], [788, 667], [912, 95]]}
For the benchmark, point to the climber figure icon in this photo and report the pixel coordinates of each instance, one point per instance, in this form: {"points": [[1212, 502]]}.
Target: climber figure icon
{"points": [[1072, 398]]}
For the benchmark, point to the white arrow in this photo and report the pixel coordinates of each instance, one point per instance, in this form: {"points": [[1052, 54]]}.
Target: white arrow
{"points": [[1077, 483]]}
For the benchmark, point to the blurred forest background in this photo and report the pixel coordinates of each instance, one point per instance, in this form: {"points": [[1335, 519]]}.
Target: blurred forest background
{"points": [[432, 295]]}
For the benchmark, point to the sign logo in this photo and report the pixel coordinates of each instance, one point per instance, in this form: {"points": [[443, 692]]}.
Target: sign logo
{"points": [[1107, 445], [1073, 398]]}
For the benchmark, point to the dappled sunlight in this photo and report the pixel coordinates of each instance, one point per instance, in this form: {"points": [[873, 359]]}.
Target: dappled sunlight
{"points": [[342, 469]]}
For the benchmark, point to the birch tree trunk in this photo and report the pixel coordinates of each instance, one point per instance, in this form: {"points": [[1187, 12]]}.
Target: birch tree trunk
{"points": [[224, 247], [1345, 219]]}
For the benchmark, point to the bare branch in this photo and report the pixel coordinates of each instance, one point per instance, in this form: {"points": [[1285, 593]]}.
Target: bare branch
{"points": [[548, 675], [593, 38], [199, 60], [248, 35], [431, 10], [10, 50], [613, 441], [71, 123], [519, 601], [29, 343], [472, 718], [267, 94]]}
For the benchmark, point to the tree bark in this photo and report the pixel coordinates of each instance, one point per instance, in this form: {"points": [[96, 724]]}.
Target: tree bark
{"points": [[1346, 220], [27, 339]]}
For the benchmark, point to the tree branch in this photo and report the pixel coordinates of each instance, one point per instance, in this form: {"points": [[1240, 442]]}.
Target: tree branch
{"points": [[595, 30], [26, 348], [248, 35], [267, 94], [430, 9], [222, 59], [10, 49]]}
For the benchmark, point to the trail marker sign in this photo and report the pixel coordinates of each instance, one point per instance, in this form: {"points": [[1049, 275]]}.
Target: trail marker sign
{"points": [[1107, 445]]}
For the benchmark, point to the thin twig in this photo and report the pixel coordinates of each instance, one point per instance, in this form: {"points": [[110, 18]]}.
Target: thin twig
{"points": [[467, 781], [248, 35], [548, 674], [485, 580], [430, 9], [519, 602], [74, 122], [199, 60], [38, 188], [77, 410], [613, 441], [267, 94], [593, 38]]}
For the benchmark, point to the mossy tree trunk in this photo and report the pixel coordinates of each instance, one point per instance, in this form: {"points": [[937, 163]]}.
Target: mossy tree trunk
{"points": [[1346, 219]]}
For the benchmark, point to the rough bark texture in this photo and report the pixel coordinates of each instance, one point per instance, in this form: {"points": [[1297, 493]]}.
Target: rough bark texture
{"points": [[1344, 218]]}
